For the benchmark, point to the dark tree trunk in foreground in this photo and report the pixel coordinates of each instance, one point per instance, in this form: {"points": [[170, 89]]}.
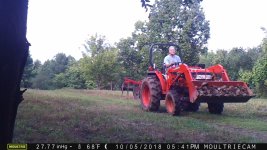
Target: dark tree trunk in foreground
{"points": [[13, 55]]}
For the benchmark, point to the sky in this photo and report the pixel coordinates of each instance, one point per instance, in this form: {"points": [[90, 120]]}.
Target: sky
{"points": [[56, 26]]}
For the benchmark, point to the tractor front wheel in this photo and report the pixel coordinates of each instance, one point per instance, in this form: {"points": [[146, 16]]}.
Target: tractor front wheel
{"points": [[173, 103], [150, 94], [215, 108]]}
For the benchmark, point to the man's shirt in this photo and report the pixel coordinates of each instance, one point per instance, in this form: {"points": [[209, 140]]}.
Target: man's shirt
{"points": [[171, 59]]}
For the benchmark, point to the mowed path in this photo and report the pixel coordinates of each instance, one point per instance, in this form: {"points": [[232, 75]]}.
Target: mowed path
{"points": [[106, 116]]}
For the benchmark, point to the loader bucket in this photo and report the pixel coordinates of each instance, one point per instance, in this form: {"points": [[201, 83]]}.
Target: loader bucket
{"points": [[222, 91]]}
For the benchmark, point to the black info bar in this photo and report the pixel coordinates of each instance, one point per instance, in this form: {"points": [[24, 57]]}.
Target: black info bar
{"points": [[135, 146]]}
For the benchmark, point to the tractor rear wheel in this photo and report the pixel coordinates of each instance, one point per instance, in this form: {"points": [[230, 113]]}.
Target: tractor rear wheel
{"points": [[173, 102], [215, 108], [150, 94]]}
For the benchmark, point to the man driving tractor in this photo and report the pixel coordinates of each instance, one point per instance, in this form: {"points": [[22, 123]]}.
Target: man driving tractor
{"points": [[171, 60], [183, 88]]}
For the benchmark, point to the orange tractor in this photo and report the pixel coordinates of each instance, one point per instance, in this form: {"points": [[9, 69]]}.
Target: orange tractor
{"points": [[184, 87]]}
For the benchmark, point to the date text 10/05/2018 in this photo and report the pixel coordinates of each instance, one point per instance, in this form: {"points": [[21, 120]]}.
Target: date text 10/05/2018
{"points": [[232, 146]]}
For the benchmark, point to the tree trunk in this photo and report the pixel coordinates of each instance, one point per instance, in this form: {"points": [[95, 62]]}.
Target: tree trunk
{"points": [[14, 50]]}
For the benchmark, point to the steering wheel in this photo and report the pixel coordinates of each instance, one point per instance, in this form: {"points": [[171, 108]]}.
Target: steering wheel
{"points": [[176, 63]]}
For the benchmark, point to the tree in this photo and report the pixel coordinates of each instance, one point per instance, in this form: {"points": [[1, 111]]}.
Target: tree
{"points": [[221, 57], [95, 45], [28, 73], [61, 62], [129, 58], [259, 72], [100, 64], [237, 60], [49, 76], [14, 49], [37, 66], [178, 21], [208, 59], [254, 53], [102, 69], [145, 4], [259, 77], [43, 79], [59, 81], [73, 77]]}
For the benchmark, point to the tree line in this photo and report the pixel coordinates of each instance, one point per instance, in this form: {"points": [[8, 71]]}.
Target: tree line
{"points": [[104, 65]]}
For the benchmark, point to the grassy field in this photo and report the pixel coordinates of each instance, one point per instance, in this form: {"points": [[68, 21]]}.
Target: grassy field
{"points": [[101, 116]]}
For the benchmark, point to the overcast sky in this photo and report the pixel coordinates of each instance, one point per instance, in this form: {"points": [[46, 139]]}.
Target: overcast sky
{"points": [[63, 25]]}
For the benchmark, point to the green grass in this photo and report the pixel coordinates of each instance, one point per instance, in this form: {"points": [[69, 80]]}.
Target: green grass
{"points": [[106, 116]]}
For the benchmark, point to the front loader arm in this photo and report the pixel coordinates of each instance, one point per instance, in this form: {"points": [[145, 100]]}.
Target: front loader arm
{"points": [[183, 68], [218, 69]]}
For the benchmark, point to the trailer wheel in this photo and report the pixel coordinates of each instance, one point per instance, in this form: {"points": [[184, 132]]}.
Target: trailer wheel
{"points": [[193, 107], [173, 103], [215, 108], [150, 94]]}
